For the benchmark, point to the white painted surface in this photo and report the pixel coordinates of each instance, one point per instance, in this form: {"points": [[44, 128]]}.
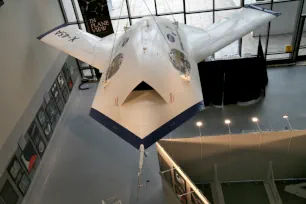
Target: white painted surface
{"points": [[24, 60], [146, 58]]}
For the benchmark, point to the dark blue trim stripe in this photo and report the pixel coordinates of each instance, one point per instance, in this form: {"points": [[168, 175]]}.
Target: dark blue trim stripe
{"points": [[172, 124], [116, 128], [263, 9], [152, 137], [50, 31]]}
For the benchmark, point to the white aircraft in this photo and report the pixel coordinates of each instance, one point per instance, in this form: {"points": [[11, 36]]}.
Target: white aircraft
{"points": [[150, 83]]}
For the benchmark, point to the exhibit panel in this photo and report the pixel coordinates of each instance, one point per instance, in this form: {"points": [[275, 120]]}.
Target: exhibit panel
{"points": [[23, 165]]}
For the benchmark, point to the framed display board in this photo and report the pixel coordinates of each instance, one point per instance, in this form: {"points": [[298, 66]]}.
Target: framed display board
{"points": [[68, 74], [8, 194], [63, 86], [51, 110], [19, 176], [29, 157], [56, 94], [44, 122], [37, 138]]}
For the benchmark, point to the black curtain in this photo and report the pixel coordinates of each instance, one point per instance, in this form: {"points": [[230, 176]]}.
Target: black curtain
{"points": [[232, 81]]}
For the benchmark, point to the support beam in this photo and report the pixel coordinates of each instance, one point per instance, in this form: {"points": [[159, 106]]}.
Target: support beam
{"points": [[216, 188], [270, 186]]}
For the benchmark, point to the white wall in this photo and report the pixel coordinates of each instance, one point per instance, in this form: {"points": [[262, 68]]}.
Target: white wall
{"points": [[24, 60]]}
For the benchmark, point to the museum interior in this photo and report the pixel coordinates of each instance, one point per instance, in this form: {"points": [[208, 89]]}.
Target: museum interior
{"points": [[246, 146]]}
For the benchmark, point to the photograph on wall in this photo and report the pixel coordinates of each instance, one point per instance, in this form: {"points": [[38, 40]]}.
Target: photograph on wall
{"points": [[37, 138], [52, 112], [57, 96], [180, 186], [44, 123], [14, 169], [67, 74], [62, 83], [165, 167], [29, 157], [61, 80], [195, 199], [8, 195], [24, 184], [96, 17]]}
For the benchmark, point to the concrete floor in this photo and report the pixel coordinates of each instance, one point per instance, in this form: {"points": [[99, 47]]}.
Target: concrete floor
{"points": [[86, 163], [285, 93]]}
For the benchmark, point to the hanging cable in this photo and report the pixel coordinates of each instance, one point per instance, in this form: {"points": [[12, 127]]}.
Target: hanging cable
{"points": [[157, 25], [110, 60], [170, 11]]}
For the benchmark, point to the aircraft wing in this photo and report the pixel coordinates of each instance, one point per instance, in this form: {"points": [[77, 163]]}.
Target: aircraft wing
{"points": [[204, 43], [86, 47]]}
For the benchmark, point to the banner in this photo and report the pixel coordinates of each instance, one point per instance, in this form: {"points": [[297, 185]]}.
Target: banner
{"points": [[96, 17]]}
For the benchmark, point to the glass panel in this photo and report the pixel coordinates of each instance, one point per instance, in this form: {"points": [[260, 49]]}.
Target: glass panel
{"points": [[122, 23], [226, 3], [83, 27], [57, 96], [250, 45], [169, 6], [282, 28], [278, 56], [69, 10], [29, 157], [44, 122], [201, 20], [302, 50], [67, 73], [37, 138], [14, 169], [52, 111], [117, 8], [232, 49], [8, 194], [78, 10], [142, 7], [198, 5], [177, 17], [251, 40], [24, 184], [134, 21]]}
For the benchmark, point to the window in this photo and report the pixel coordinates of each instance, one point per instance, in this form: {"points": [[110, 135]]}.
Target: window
{"points": [[201, 20], [142, 8], [7, 194], [233, 48], [169, 6], [198, 5]]}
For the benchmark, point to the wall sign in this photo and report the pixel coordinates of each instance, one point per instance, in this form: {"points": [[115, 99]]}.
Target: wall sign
{"points": [[96, 17]]}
